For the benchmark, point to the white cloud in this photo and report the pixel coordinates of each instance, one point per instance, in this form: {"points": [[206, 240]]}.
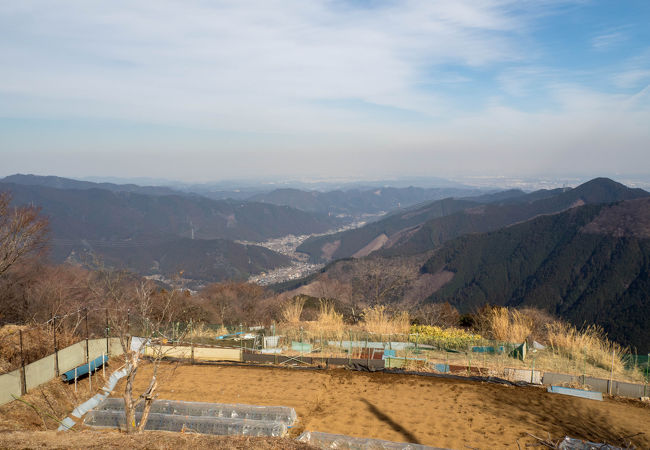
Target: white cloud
{"points": [[632, 78], [608, 40], [255, 78]]}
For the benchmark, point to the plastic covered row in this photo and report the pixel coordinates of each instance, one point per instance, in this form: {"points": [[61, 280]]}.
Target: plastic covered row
{"points": [[342, 442], [204, 425], [282, 414]]}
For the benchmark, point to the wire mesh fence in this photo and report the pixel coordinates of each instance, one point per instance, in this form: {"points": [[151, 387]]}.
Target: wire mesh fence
{"points": [[449, 350], [21, 345]]}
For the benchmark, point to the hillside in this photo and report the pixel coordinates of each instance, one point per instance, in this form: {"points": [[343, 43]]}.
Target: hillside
{"points": [[354, 202], [207, 260], [375, 235], [68, 183], [429, 227], [99, 214], [497, 215], [152, 234], [590, 264]]}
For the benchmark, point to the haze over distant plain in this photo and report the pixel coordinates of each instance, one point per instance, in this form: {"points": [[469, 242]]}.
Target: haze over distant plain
{"points": [[200, 91]]}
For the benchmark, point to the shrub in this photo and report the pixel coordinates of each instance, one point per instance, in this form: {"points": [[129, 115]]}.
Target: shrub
{"points": [[292, 310], [328, 319], [508, 324], [445, 337], [379, 320]]}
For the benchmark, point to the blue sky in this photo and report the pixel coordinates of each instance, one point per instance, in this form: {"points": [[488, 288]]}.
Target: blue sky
{"points": [[206, 90]]}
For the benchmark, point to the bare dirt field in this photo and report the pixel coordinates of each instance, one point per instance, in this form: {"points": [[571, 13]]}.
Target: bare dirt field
{"points": [[439, 412]]}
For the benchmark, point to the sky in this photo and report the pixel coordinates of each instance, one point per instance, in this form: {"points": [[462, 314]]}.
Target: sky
{"points": [[199, 90]]}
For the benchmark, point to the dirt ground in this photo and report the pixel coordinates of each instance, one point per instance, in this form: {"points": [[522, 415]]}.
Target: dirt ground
{"points": [[453, 414], [148, 440]]}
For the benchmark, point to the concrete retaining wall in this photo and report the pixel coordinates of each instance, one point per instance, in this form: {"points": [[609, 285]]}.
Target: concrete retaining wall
{"points": [[529, 376], [44, 369], [597, 384], [114, 347], [40, 372], [217, 354], [200, 353], [558, 379], [9, 384], [72, 356], [96, 348]]}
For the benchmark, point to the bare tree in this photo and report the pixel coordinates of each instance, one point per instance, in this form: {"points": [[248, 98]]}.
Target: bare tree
{"points": [[381, 281], [137, 306], [22, 231]]}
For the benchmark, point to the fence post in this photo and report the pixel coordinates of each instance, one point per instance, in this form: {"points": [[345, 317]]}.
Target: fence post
{"points": [[350, 349], [275, 345], [584, 366], [23, 384], [367, 353], [532, 372], [192, 341], [107, 334], [87, 335], [56, 349], [611, 375], [301, 344]]}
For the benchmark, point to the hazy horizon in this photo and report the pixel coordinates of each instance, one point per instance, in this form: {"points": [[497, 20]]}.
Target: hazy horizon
{"points": [[363, 90]]}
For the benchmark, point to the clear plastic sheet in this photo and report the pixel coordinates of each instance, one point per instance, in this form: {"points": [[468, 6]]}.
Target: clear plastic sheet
{"points": [[204, 425], [282, 414], [578, 444], [342, 442]]}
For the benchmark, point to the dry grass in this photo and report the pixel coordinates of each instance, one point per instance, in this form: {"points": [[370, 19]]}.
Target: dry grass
{"points": [[201, 331], [292, 310], [329, 321], [38, 342], [379, 320], [590, 344], [509, 325]]}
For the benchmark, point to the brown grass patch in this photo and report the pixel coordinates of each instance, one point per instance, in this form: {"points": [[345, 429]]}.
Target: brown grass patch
{"points": [[378, 320], [590, 344], [292, 310], [509, 324]]}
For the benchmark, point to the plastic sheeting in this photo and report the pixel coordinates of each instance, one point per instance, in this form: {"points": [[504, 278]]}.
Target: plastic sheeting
{"points": [[577, 444], [95, 400], [576, 392], [342, 442], [282, 414], [204, 425]]}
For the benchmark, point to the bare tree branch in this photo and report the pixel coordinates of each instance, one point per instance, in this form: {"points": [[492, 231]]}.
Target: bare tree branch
{"points": [[22, 231]]}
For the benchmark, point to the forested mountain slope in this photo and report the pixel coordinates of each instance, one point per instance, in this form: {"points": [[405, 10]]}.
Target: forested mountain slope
{"points": [[590, 264], [99, 214]]}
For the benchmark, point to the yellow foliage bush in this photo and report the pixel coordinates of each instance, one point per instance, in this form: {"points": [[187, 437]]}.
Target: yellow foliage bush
{"points": [[448, 337]]}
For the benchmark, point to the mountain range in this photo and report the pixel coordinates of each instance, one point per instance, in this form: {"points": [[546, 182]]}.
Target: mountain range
{"points": [[162, 233], [354, 202], [417, 230]]}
